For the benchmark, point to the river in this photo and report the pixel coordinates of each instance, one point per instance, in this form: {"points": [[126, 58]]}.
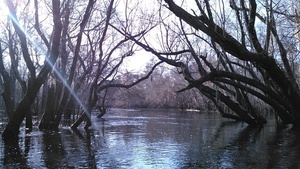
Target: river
{"points": [[157, 139]]}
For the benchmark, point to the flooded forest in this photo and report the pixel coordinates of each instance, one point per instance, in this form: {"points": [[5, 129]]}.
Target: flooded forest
{"points": [[149, 84]]}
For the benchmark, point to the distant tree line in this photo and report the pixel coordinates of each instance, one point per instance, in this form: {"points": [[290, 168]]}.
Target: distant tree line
{"points": [[160, 90]]}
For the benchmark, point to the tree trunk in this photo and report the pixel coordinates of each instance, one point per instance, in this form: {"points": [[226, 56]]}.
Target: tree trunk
{"points": [[82, 117], [29, 123], [47, 122], [234, 106], [102, 110], [11, 131], [70, 109], [6, 93], [44, 97]]}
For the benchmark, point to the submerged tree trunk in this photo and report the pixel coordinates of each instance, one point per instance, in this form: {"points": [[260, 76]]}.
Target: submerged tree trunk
{"points": [[28, 122], [70, 109], [11, 130], [48, 118], [102, 110], [81, 119]]}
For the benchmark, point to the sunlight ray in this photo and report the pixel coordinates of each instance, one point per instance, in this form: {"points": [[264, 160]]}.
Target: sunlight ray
{"points": [[43, 53]]}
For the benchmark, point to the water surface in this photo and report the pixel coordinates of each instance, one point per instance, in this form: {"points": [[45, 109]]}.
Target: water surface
{"points": [[156, 139]]}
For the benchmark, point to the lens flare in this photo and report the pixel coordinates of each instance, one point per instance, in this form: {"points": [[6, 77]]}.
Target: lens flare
{"points": [[43, 52]]}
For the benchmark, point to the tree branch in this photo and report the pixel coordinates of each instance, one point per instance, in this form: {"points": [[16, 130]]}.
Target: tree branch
{"points": [[22, 37], [219, 35], [132, 84]]}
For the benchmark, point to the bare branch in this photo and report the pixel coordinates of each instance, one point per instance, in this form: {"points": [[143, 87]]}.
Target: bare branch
{"points": [[127, 86], [22, 37]]}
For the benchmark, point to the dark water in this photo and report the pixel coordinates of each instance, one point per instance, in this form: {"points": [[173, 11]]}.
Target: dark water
{"points": [[157, 139]]}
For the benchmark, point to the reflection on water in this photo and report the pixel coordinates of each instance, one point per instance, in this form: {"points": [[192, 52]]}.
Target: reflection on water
{"points": [[156, 139]]}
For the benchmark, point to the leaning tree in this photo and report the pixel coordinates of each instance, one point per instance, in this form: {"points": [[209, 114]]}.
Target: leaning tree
{"points": [[236, 53]]}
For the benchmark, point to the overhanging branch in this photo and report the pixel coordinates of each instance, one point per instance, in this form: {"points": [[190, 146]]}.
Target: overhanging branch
{"points": [[127, 86]]}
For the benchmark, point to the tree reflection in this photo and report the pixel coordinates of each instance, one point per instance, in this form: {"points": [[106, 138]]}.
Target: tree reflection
{"points": [[223, 128], [91, 153], [27, 145], [91, 161], [13, 157], [242, 146], [53, 150], [227, 145], [283, 149]]}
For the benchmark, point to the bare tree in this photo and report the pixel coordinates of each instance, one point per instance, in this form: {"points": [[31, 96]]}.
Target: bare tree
{"points": [[35, 79], [113, 48], [84, 56], [240, 53]]}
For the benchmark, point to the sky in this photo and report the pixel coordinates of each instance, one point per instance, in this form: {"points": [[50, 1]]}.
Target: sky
{"points": [[3, 11], [138, 61]]}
